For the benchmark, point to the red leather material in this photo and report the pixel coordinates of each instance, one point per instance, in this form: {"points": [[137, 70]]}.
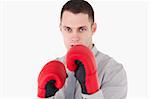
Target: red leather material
{"points": [[85, 55], [53, 70]]}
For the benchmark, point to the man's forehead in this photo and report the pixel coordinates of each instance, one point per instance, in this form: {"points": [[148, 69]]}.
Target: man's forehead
{"points": [[75, 19], [75, 24]]}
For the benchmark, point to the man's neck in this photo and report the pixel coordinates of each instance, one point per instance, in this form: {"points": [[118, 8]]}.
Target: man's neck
{"points": [[91, 46]]}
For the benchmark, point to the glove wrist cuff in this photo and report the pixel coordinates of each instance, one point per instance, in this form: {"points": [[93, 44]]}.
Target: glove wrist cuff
{"points": [[41, 92]]}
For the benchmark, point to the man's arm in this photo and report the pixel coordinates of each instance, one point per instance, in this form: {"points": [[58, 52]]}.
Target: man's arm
{"points": [[113, 83]]}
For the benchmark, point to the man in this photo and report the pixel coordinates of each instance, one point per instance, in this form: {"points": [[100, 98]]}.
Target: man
{"points": [[78, 26]]}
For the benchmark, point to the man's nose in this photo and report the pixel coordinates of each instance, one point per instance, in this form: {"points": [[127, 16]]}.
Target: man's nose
{"points": [[75, 37]]}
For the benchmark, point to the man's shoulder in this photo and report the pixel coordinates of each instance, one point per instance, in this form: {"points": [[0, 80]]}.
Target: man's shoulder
{"points": [[107, 62], [62, 59]]}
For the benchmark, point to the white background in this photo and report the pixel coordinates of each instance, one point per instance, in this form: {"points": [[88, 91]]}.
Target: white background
{"points": [[30, 37]]}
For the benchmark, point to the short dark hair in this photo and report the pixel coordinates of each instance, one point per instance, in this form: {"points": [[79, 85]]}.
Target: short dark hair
{"points": [[78, 6]]}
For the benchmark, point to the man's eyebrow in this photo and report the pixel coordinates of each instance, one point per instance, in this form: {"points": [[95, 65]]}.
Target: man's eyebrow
{"points": [[82, 26], [66, 27]]}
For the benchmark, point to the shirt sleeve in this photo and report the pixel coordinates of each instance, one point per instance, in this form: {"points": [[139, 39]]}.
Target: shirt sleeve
{"points": [[80, 95], [114, 83], [97, 95]]}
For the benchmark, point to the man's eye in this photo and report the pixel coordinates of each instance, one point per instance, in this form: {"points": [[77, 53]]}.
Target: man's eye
{"points": [[82, 29], [68, 29]]}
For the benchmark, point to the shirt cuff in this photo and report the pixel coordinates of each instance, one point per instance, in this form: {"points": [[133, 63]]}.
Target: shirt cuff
{"points": [[97, 95]]}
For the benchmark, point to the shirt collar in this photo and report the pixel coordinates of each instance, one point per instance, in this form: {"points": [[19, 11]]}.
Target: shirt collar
{"points": [[94, 50]]}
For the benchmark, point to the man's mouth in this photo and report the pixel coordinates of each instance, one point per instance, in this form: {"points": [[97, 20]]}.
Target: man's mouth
{"points": [[72, 45]]}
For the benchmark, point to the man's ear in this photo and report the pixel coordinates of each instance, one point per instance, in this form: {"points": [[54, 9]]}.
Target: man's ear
{"points": [[94, 27]]}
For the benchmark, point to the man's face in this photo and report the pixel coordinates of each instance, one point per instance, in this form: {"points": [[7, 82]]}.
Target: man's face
{"points": [[77, 29]]}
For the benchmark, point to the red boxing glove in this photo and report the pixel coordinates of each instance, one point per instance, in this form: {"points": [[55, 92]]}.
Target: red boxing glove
{"points": [[51, 78], [81, 60]]}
